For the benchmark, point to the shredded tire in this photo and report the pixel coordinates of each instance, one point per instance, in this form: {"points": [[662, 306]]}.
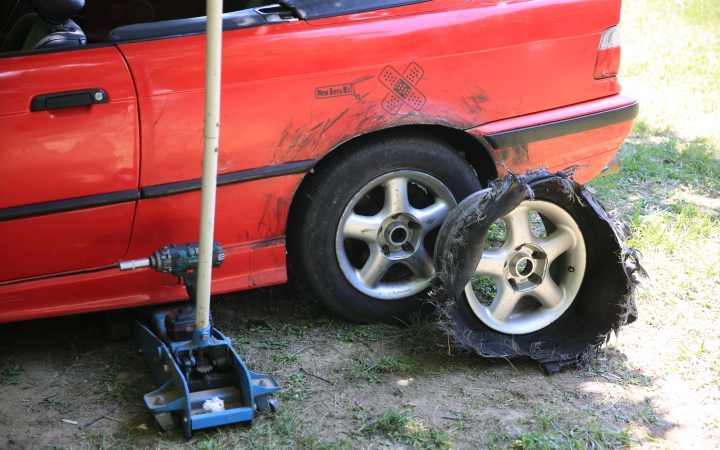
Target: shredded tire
{"points": [[604, 303]]}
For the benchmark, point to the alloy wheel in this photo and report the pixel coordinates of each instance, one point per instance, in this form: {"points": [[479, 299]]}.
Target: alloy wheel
{"points": [[385, 232], [535, 278]]}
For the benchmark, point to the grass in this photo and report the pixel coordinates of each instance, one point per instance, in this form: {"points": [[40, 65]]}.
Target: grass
{"points": [[549, 431], [670, 60], [402, 428]]}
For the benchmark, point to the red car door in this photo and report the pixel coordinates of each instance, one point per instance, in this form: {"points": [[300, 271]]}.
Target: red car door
{"points": [[69, 155]]}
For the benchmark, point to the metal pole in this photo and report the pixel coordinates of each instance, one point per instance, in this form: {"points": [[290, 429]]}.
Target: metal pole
{"points": [[210, 163]]}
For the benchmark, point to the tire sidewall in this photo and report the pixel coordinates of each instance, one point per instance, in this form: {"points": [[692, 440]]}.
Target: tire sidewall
{"points": [[425, 156]]}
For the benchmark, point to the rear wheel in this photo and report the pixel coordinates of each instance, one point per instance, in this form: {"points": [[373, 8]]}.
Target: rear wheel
{"points": [[363, 226]]}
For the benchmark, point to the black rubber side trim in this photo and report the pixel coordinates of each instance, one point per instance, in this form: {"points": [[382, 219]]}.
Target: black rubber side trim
{"points": [[162, 190], [551, 130], [241, 176], [60, 275], [90, 201]]}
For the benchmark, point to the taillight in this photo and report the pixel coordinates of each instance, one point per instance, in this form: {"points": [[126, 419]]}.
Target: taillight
{"points": [[608, 58]]}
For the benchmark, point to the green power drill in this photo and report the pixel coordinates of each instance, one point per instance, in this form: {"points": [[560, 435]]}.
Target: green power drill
{"points": [[182, 261]]}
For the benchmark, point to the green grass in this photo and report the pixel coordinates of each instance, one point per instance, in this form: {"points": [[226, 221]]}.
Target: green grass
{"points": [[399, 427], [11, 375], [670, 60], [705, 13], [548, 431]]}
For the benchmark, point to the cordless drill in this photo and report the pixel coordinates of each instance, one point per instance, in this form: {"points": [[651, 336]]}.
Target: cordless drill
{"points": [[182, 261]]}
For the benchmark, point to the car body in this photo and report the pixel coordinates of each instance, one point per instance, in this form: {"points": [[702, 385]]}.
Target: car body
{"points": [[509, 84]]}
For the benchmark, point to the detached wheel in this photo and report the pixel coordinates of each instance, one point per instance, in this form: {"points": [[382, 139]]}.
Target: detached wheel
{"points": [[363, 226], [546, 277]]}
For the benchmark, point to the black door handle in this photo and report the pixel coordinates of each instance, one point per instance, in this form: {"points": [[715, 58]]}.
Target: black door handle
{"points": [[68, 99]]}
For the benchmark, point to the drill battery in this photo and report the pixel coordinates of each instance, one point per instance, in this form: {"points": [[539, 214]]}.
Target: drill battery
{"points": [[180, 323]]}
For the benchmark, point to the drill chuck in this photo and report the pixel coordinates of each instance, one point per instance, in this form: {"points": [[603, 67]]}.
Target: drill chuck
{"points": [[135, 264]]}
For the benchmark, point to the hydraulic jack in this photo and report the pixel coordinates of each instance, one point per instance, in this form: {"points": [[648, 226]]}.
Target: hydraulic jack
{"points": [[203, 382]]}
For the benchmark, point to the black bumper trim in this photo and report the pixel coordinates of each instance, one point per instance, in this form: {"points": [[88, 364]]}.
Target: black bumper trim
{"points": [[522, 136]]}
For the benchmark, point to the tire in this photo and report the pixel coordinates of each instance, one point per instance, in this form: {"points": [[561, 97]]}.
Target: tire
{"points": [[361, 183], [555, 327]]}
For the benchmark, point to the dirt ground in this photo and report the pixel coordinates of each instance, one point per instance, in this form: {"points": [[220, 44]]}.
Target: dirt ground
{"points": [[338, 377]]}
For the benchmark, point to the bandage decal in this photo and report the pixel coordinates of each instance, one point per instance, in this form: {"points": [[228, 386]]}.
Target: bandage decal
{"points": [[403, 88]]}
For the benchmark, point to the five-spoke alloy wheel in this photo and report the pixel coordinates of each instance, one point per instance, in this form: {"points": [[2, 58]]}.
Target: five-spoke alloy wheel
{"points": [[393, 236], [532, 267], [529, 296]]}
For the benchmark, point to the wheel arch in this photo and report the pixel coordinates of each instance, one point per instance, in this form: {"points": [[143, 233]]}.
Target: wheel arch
{"points": [[474, 149]]}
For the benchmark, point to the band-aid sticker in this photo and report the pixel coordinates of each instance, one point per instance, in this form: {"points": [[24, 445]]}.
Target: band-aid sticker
{"points": [[403, 89]]}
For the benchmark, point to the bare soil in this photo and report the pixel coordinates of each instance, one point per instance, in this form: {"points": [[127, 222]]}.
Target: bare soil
{"points": [[338, 378]]}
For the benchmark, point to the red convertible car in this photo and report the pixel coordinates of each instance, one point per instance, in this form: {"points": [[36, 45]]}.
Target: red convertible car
{"points": [[349, 130]]}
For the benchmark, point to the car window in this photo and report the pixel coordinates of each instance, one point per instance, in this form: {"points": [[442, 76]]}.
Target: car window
{"points": [[103, 21]]}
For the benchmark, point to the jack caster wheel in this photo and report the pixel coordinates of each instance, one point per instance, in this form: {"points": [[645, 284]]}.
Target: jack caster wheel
{"points": [[166, 422], [274, 405]]}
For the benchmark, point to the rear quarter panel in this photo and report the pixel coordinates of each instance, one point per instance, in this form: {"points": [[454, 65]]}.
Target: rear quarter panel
{"points": [[481, 61]]}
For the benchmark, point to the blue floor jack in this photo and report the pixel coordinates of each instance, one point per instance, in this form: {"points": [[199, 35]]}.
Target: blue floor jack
{"points": [[203, 382]]}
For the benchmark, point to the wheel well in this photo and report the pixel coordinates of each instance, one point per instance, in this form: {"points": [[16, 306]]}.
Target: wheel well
{"points": [[474, 150]]}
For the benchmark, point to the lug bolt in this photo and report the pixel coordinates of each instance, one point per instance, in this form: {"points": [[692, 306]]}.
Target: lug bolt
{"points": [[407, 247], [385, 249]]}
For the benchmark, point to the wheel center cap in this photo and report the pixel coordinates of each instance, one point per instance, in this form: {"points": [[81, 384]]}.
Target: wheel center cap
{"points": [[399, 236], [397, 233], [525, 267]]}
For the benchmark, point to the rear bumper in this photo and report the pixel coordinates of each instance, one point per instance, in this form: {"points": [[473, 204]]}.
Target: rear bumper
{"points": [[586, 134]]}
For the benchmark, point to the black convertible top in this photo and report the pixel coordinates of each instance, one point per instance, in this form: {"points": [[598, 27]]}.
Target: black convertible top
{"points": [[317, 9], [252, 17]]}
